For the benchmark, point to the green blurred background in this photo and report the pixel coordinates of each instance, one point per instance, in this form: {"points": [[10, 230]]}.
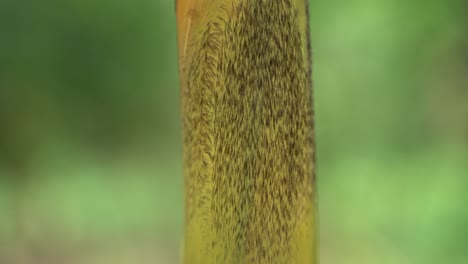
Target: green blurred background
{"points": [[90, 140]]}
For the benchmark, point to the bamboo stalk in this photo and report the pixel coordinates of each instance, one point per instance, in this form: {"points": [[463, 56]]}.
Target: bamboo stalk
{"points": [[249, 152]]}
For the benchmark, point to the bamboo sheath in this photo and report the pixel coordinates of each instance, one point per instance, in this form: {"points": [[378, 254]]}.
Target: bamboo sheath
{"points": [[248, 132]]}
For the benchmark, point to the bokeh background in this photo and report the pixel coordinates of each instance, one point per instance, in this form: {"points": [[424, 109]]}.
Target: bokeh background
{"points": [[90, 140]]}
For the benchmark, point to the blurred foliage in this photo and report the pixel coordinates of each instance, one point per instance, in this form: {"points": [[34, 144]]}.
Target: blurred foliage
{"points": [[90, 149]]}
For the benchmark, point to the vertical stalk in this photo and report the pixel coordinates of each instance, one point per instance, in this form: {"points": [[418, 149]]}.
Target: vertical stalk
{"points": [[248, 132]]}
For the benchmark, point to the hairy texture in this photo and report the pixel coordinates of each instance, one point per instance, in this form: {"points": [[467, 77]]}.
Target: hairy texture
{"points": [[249, 138]]}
